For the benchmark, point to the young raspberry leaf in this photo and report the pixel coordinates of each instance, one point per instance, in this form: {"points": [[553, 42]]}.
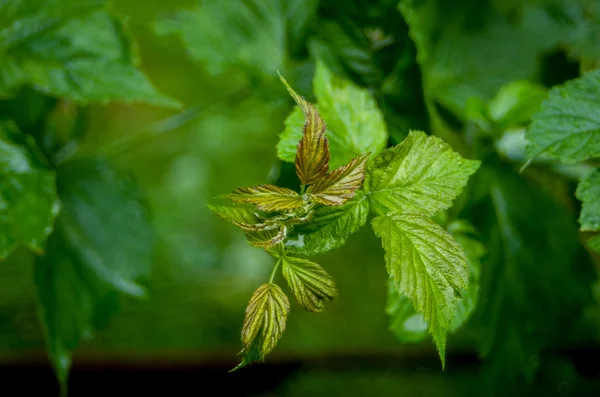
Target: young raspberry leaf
{"points": [[312, 155], [340, 185], [330, 227], [267, 238], [309, 282], [243, 218], [588, 191], [422, 174], [264, 323], [266, 197], [427, 265]]}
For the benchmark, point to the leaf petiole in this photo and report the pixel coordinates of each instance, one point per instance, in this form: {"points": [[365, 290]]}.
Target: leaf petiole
{"points": [[274, 271]]}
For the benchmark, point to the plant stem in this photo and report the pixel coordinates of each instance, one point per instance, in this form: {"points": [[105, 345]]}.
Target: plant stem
{"points": [[274, 270], [302, 189]]}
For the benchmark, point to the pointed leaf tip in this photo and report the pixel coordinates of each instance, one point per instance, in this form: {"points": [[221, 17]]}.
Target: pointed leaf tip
{"points": [[340, 185], [264, 323], [312, 154], [266, 197]]}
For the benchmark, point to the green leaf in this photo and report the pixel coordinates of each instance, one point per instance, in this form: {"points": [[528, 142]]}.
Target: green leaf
{"points": [[73, 50], [405, 323], [242, 217], [311, 284], [266, 197], [410, 326], [28, 202], [422, 174], [588, 191], [468, 51], [356, 124], [567, 127], [330, 227], [255, 30], [516, 102], [530, 266], [340, 185], [102, 245], [291, 135], [594, 243], [264, 323], [312, 155], [427, 265]]}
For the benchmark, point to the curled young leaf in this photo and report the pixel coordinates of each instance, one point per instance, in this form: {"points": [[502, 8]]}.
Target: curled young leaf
{"points": [[341, 184], [312, 156], [309, 282], [243, 218], [266, 197], [264, 323], [267, 238]]}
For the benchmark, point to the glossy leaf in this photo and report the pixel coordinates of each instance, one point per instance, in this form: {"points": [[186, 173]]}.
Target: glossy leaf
{"points": [[102, 245], [410, 326], [265, 321], [427, 265], [588, 191], [330, 227], [422, 174], [311, 284], [266, 197], [73, 50], [312, 155], [340, 185], [28, 201], [567, 127]]}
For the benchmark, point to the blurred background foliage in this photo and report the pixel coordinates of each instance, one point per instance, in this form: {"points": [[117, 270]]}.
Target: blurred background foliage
{"points": [[470, 71]]}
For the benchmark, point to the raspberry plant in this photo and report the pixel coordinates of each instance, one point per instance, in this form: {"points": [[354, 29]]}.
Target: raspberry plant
{"points": [[403, 186]]}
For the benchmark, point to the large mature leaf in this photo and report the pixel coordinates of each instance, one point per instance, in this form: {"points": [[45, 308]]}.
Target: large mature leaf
{"points": [[407, 324], [588, 191], [427, 265], [266, 197], [103, 243], [462, 58], [28, 202], [567, 127], [264, 323], [70, 49], [312, 155], [341, 184], [311, 284], [356, 124], [330, 227], [257, 33], [531, 265], [422, 174]]}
